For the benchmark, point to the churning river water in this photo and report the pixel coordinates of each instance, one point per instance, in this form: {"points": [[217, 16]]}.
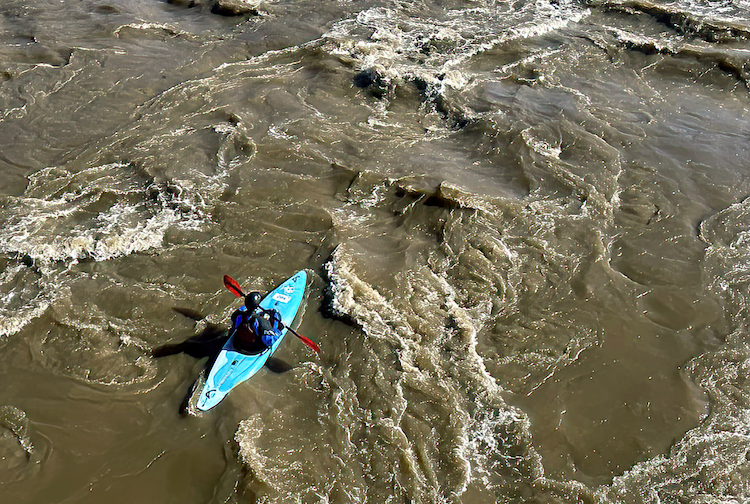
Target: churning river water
{"points": [[526, 222]]}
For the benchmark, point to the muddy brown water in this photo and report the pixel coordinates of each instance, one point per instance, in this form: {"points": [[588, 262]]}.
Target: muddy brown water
{"points": [[526, 223]]}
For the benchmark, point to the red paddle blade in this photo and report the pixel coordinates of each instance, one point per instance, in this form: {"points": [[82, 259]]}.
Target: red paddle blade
{"points": [[233, 287], [307, 341], [310, 343]]}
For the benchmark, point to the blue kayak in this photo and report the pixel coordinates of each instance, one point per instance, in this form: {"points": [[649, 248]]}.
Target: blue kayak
{"points": [[232, 366]]}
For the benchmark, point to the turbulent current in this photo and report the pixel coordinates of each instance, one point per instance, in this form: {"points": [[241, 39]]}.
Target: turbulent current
{"points": [[526, 221]]}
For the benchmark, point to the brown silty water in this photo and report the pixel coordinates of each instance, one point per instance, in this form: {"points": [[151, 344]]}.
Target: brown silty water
{"points": [[526, 223]]}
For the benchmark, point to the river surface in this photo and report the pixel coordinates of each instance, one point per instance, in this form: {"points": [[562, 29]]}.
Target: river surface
{"points": [[526, 221]]}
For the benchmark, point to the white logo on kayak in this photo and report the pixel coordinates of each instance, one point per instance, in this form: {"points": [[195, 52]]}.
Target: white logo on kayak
{"points": [[281, 298], [289, 289]]}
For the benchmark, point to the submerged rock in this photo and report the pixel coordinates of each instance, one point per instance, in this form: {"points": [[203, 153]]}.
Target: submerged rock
{"points": [[235, 7], [187, 3], [371, 80], [367, 78], [223, 7]]}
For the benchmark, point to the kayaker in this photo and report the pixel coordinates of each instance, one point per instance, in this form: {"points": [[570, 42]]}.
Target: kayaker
{"points": [[255, 331]]}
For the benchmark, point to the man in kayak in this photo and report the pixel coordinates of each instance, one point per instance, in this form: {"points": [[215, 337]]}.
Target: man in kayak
{"points": [[255, 331]]}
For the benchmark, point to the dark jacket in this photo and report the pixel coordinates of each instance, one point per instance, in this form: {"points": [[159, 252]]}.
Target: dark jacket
{"points": [[256, 331]]}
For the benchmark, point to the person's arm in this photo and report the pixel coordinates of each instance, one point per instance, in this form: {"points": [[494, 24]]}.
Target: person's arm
{"points": [[272, 331], [237, 317]]}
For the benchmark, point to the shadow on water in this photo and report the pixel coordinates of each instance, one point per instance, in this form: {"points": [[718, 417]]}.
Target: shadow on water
{"points": [[207, 344]]}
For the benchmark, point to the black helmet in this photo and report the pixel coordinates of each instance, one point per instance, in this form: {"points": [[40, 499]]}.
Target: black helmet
{"points": [[252, 300]]}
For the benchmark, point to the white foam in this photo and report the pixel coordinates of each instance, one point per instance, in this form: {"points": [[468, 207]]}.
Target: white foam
{"points": [[69, 217], [144, 26], [19, 306], [15, 420], [447, 378], [402, 46], [12, 321]]}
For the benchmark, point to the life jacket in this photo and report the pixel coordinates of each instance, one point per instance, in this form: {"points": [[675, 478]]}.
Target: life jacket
{"points": [[254, 332]]}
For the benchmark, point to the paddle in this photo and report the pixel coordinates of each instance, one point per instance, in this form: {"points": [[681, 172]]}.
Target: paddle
{"points": [[233, 287]]}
